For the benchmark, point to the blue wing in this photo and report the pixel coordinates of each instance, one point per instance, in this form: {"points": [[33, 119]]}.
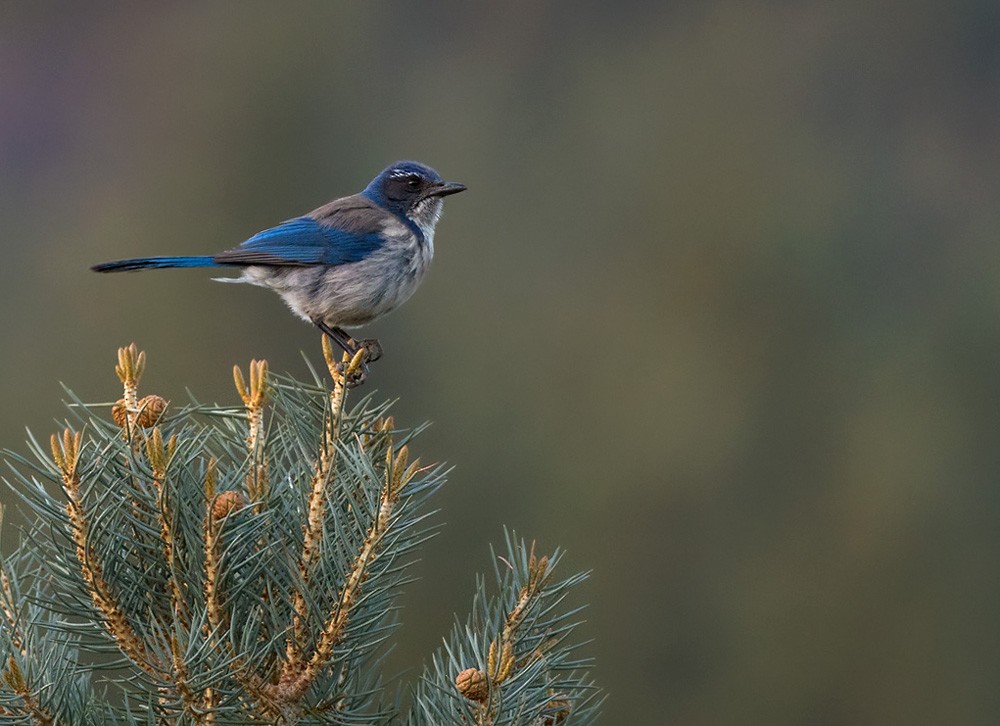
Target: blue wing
{"points": [[302, 242]]}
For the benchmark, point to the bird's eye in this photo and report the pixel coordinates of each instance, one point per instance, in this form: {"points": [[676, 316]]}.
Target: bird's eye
{"points": [[413, 181]]}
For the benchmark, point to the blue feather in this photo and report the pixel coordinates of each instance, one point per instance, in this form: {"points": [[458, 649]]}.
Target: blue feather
{"points": [[144, 263], [302, 242]]}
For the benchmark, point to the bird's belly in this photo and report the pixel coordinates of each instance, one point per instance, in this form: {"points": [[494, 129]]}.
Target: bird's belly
{"points": [[344, 295]]}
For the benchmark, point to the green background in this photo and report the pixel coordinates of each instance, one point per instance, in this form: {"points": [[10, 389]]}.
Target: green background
{"points": [[719, 312]]}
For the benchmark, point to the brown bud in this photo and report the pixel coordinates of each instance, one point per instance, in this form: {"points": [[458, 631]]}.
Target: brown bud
{"points": [[228, 502], [557, 711], [151, 408], [472, 684], [119, 414]]}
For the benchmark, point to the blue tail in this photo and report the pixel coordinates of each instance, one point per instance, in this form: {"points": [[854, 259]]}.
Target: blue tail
{"points": [[146, 263]]}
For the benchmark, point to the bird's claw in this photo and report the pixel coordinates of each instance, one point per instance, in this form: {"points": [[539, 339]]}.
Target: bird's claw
{"points": [[353, 373], [353, 369], [372, 349], [349, 376]]}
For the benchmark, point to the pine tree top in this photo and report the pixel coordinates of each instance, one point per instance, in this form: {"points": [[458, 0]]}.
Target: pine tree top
{"points": [[240, 564]]}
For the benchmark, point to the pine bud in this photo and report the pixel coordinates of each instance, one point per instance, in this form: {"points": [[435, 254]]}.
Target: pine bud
{"points": [[151, 408], [228, 502], [558, 711], [119, 414], [472, 684]]}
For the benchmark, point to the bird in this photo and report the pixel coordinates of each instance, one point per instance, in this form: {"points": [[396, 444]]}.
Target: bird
{"points": [[345, 263]]}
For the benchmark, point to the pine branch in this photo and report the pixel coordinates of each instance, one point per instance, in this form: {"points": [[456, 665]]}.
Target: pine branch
{"points": [[240, 564], [512, 662]]}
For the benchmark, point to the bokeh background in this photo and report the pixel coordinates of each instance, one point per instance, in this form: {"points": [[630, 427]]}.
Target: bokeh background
{"points": [[719, 313]]}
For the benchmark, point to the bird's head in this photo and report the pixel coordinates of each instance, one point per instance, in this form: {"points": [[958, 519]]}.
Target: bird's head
{"points": [[411, 189]]}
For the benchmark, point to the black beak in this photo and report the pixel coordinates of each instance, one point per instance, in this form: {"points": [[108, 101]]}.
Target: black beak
{"points": [[443, 189]]}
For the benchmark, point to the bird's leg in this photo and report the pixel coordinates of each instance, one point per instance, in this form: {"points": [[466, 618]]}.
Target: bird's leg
{"points": [[338, 336], [342, 339], [371, 348]]}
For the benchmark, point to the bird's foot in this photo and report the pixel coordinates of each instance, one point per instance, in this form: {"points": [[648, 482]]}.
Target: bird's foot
{"points": [[352, 368], [371, 347], [348, 375]]}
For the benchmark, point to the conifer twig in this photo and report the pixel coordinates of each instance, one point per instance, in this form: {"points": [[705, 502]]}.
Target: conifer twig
{"points": [[6, 605], [15, 679], [211, 586], [501, 663], [254, 396], [218, 621], [131, 365], [66, 454], [322, 479], [159, 457], [293, 684], [180, 678]]}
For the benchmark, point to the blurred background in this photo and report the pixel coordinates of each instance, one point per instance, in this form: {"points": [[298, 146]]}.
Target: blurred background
{"points": [[719, 313]]}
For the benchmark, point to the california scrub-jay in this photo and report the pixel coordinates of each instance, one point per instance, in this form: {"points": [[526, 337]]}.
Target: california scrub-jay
{"points": [[346, 263]]}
